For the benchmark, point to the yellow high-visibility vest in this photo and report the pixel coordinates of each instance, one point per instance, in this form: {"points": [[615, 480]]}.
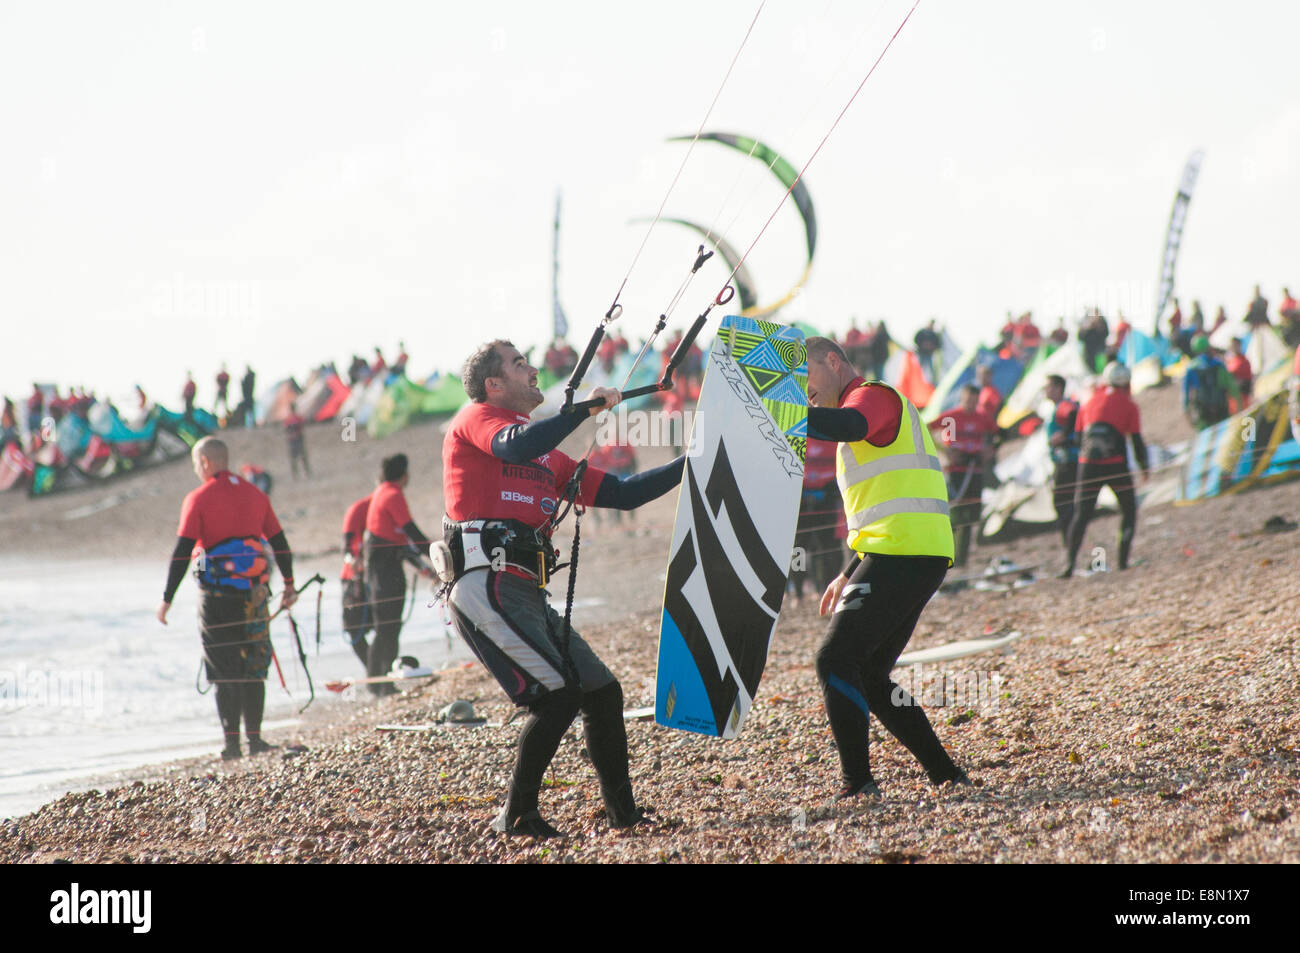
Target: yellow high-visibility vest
{"points": [[895, 497]]}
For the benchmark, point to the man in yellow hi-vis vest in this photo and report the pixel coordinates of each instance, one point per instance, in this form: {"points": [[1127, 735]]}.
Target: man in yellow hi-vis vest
{"points": [[896, 503]]}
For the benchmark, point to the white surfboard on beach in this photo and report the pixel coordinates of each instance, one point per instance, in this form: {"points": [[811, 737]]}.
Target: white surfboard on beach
{"points": [[956, 650]]}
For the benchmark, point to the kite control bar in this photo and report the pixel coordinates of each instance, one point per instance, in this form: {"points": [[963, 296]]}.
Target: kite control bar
{"points": [[679, 354], [615, 310]]}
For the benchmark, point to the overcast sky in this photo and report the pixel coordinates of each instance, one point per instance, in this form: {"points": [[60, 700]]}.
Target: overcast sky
{"points": [[287, 183]]}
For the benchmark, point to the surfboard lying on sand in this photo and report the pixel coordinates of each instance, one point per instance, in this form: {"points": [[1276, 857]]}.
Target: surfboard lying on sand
{"points": [[956, 650], [736, 516], [345, 683]]}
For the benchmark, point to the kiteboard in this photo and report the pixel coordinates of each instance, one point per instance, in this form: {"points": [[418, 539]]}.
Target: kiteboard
{"points": [[736, 515], [956, 650]]}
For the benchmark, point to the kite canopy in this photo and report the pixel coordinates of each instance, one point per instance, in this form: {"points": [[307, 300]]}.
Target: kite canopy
{"points": [[789, 177]]}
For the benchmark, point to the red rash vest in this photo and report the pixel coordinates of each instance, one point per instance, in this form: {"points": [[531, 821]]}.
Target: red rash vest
{"points": [[388, 513], [1110, 406], [225, 507], [880, 405], [354, 522], [480, 485]]}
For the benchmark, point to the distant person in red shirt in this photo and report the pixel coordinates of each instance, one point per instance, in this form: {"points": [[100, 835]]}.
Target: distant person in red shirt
{"points": [[619, 459], [257, 476], [1107, 422], [1289, 317], [187, 395], [1028, 337], [391, 539], [356, 597], [990, 398], [297, 441], [399, 365], [1060, 334], [380, 365], [223, 385], [231, 526], [1238, 366], [966, 433], [1122, 327], [1176, 322]]}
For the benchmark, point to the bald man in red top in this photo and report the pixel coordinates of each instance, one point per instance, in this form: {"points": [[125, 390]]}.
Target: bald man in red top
{"points": [[230, 525]]}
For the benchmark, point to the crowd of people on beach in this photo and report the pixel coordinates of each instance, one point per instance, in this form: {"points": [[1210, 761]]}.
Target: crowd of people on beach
{"points": [[877, 495]]}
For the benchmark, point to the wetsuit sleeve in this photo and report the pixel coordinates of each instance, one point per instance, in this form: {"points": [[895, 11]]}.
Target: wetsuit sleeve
{"points": [[1140, 451], [417, 538], [627, 493], [283, 555], [180, 562], [841, 425], [524, 442]]}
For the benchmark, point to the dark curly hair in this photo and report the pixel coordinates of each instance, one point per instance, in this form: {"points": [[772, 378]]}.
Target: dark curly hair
{"points": [[479, 366]]}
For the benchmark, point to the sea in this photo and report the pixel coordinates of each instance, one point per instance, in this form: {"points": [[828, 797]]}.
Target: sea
{"points": [[91, 684]]}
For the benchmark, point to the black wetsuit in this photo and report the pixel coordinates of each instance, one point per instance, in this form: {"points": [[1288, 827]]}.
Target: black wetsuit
{"points": [[872, 623], [386, 582]]}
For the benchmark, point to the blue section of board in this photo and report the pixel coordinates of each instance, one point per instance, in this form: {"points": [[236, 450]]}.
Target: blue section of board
{"points": [[765, 356], [787, 392], [679, 676]]}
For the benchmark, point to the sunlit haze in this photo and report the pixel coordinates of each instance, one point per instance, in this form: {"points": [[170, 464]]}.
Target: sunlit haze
{"points": [[285, 184]]}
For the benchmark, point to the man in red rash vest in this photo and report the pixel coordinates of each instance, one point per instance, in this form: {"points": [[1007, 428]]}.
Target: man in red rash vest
{"points": [[356, 598], [503, 479], [966, 433], [391, 539], [1108, 421], [231, 525]]}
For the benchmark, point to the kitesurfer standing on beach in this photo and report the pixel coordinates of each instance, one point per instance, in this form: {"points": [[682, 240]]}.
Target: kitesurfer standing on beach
{"points": [[896, 504], [503, 478], [391, 539], [232, 524], [1107, 422]]}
